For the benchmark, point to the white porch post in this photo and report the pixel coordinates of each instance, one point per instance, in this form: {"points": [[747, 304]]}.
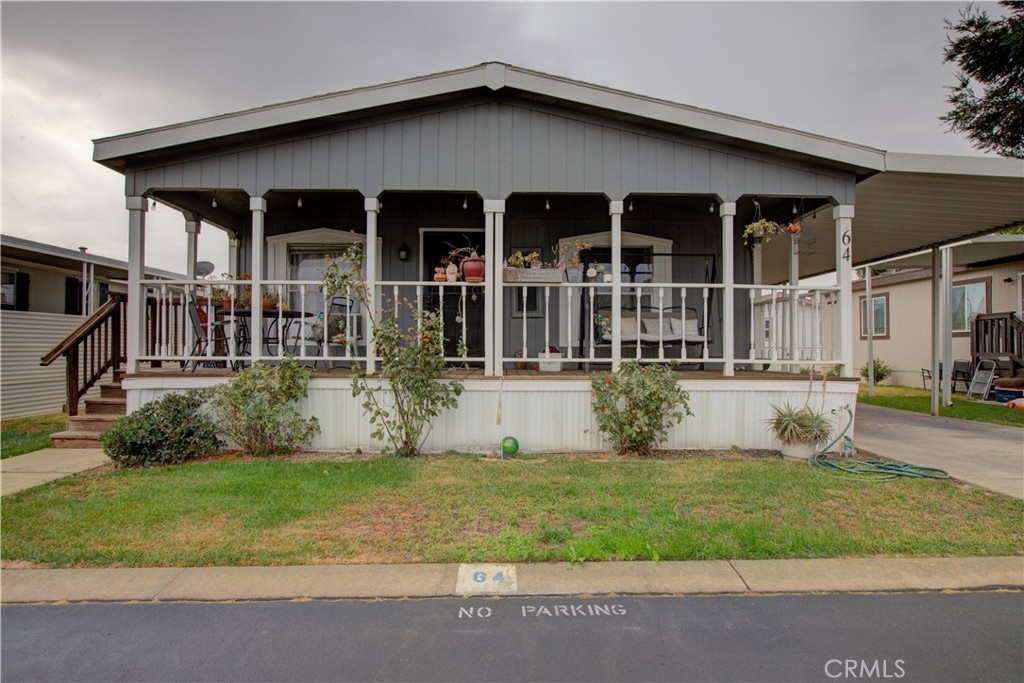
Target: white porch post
{"points": [[85, 287], [494, 291], [192, 229], [727, 211], [136, 305], [947, 325], [372, 207], [615, 210], [233, 256], [494, 209], [869, 305], [936, 329], [843, 216], [794, 280], [258, 207]]}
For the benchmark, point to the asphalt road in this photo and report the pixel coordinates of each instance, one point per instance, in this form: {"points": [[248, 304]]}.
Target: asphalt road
{"points": [[904, 637]]}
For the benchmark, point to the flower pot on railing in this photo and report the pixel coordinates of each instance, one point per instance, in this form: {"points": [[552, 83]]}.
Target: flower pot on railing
{"points": [[534, 275], [574, 274], [473, 269]]}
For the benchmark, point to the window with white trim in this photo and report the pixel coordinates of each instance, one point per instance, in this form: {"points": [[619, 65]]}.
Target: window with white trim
{"points": [[881, 321], [969, 300]]}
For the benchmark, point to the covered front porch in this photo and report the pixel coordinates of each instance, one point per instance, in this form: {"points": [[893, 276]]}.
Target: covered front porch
{"points": [[659, 277]]}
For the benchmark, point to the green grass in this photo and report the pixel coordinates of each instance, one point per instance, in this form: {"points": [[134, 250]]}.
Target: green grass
{"points": [[920, 401], [459, 509], [26, 434]]}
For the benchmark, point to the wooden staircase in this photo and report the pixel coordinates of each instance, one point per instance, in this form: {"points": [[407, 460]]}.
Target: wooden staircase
{"points": [[90, 352], [83, 431], [999, 337]]}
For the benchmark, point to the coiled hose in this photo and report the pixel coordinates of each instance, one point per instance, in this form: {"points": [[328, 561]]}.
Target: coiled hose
{"points": [[869, 470]]}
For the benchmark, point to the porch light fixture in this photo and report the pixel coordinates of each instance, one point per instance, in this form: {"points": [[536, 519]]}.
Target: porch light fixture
{"points": [[631, 205], [794, 209], [403, 252], [711, 208], [299, 203], [465, 205], [152, 205], [547, 205], [214, 202]]}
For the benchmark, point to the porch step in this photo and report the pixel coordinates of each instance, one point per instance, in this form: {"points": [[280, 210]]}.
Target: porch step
{"points": [[76, 440], [112, 390], [106, 406], [91, 423]]}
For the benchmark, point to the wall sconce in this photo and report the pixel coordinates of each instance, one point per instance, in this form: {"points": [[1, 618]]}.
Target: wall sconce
{"points": [[1008, 280], [403, 252]]}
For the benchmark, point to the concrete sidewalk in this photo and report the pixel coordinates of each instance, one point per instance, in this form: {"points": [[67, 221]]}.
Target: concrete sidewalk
{"points": [[446, 580], [986, 455], [39, 467]]}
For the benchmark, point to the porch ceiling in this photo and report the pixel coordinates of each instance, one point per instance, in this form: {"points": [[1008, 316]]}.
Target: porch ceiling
{"points": [[919, 202]]}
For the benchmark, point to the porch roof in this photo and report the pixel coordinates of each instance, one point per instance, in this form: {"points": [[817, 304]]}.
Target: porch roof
{"points": [[150, 145]]}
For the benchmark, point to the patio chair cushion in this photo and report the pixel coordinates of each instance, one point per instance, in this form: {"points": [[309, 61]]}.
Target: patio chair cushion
{"points": [[652, 326]]}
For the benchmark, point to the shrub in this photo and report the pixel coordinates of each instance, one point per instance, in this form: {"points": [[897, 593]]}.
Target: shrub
{"points": [[409, 396], [638, 405], [167, 431], [882, 370], [258, 408]]}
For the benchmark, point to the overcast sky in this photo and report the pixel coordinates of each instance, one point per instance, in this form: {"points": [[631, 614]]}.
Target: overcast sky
{"points": [[868, 72]]}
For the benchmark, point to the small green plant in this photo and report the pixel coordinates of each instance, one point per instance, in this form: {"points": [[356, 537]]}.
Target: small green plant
{"points": [[637, 406], [167, 431], [802, 425], [258, 409], [882, 370], [408, 395]]}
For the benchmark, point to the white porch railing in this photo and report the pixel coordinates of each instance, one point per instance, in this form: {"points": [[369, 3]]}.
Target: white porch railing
{"points": [[789, 325], [793, 325]]}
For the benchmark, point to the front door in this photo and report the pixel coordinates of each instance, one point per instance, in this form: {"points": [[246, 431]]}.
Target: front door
{"points": [[436, 245]]}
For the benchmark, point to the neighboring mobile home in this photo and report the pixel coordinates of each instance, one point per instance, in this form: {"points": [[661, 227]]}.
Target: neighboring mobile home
{"points": [[988, 281], [47, 292], [506, 159]]}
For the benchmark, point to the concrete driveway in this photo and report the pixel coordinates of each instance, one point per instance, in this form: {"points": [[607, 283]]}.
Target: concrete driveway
{"points": [[987, 455]]}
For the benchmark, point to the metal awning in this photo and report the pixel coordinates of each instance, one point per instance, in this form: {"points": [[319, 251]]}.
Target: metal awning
{"points": [[918, 202], [967, 254]]}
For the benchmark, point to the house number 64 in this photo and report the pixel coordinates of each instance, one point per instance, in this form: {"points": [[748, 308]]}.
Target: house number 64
{"points": [[846, 244]]}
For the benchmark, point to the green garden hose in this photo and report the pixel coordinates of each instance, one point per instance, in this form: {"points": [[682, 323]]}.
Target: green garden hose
{"points": [[870, 470]]}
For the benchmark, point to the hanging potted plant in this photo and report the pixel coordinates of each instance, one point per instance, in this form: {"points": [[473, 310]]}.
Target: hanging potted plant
{"points": [[761, 231]]}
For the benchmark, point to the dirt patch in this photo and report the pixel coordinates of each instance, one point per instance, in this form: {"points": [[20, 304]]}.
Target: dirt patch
{"points": [[21, 564]]}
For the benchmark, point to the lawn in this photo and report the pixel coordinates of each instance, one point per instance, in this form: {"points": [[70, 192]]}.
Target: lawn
{"points": [[920, 401], [26, 434], [462, 509]]}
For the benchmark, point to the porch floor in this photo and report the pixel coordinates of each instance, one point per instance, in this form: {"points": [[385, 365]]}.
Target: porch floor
{"points": [[510, 374]]}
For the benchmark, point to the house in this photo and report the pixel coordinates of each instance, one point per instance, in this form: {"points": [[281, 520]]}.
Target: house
{"points": [[42, 300], [987, 285], [507, 159]]}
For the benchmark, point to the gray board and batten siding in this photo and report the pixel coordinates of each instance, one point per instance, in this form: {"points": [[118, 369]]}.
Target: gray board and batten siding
{"points": [[496, 149]]}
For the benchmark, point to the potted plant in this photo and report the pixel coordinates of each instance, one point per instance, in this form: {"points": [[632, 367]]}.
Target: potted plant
{"points": [[439, 274], [467, 261], [520, 267], [567, 257], [761, 230], [802, 431]]}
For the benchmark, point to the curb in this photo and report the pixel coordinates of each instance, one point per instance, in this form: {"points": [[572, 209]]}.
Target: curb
{"points": [[322, 582]]}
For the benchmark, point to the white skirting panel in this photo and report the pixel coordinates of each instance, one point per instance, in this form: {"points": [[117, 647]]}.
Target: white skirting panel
{"points": [[547, 415]]}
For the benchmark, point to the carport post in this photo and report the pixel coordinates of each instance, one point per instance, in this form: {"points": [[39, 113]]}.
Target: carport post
{"points": [[947, 325], [870, 306]]}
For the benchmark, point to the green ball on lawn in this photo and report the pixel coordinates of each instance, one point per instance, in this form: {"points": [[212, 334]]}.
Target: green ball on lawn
{"points": [[510, 445]]}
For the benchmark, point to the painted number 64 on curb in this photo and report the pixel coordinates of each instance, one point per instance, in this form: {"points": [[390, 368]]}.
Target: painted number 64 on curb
{"points": [[482, 577]]}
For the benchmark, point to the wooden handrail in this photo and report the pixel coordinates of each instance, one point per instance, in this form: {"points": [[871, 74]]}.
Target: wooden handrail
{"points": [[93, 348], [82, 331]]}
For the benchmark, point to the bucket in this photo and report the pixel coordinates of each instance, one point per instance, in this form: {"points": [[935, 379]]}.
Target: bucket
{"points": [[1007, 394], [550, 365]]}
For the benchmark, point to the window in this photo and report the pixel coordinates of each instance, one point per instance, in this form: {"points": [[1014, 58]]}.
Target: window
{"points": [[8, 288], [881, 306], [969, 299]]}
